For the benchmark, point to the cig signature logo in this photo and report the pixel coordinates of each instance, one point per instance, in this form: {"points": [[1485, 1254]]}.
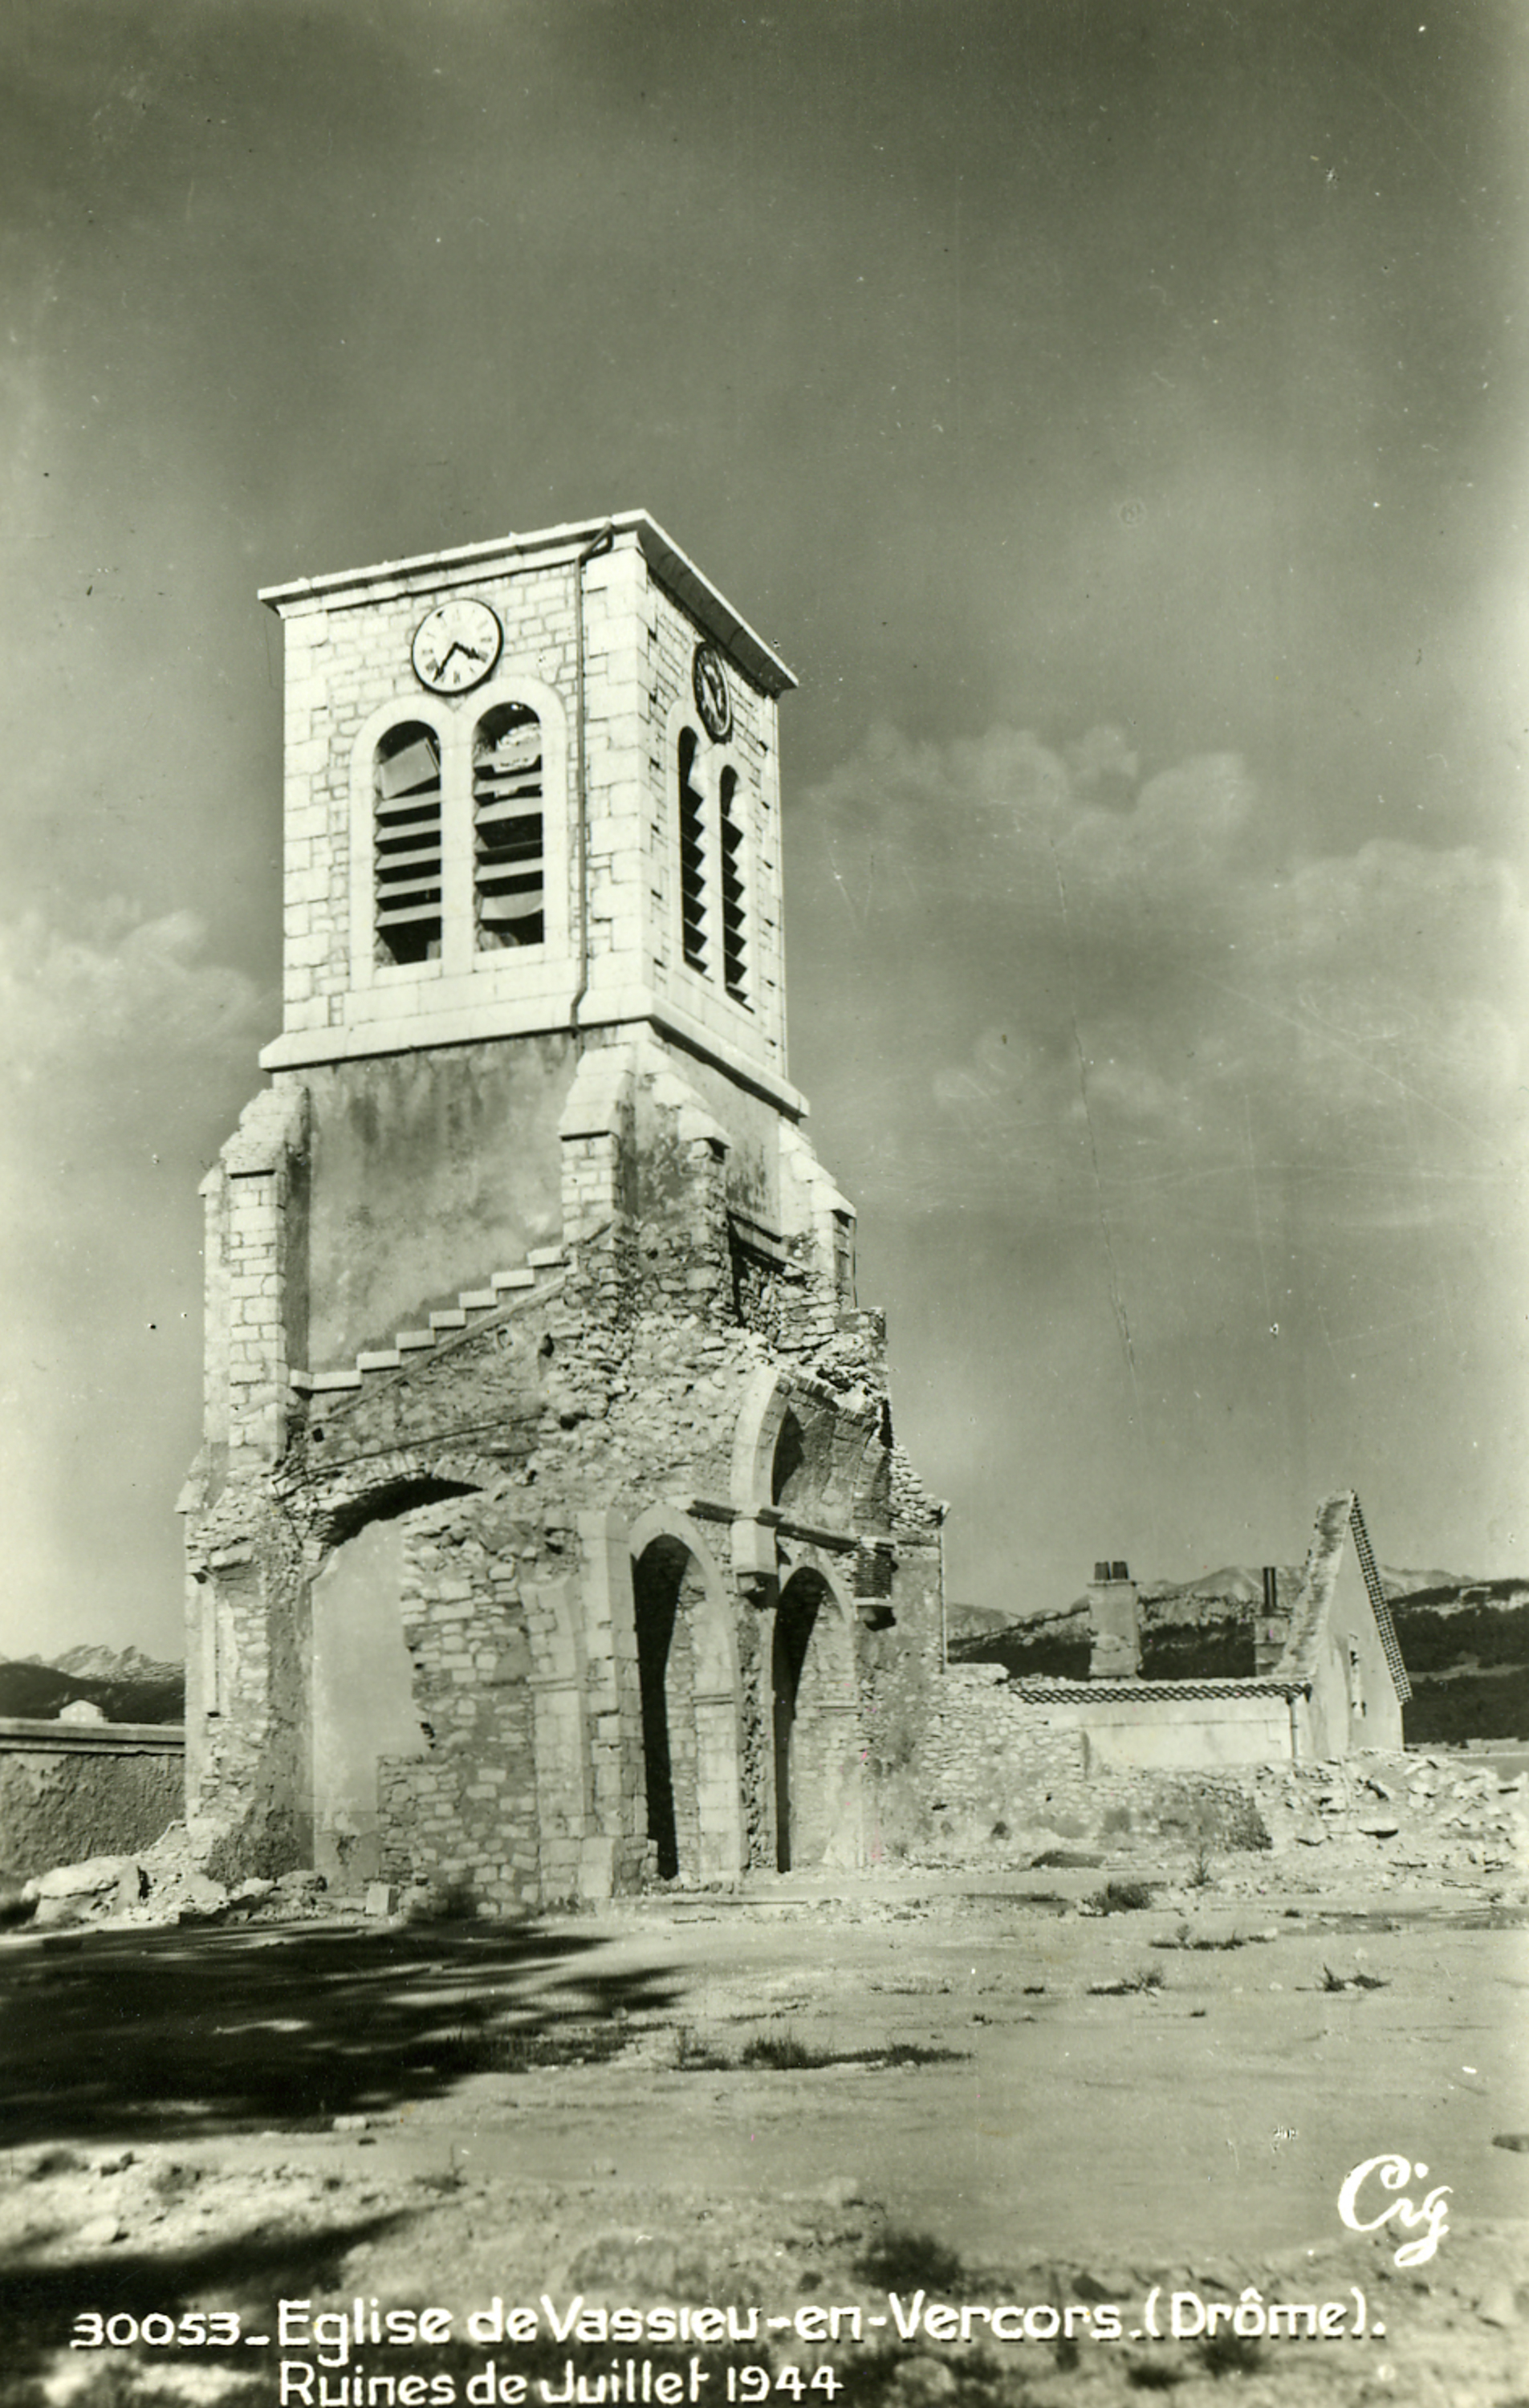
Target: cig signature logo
{"points": [[1394, 2174]]}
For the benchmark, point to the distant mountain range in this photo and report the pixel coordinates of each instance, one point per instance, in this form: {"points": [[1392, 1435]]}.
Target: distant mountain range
{"points": [[1465, 1642], [128, 1685]]}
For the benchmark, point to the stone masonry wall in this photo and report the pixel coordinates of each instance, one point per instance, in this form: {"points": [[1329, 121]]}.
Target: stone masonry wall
{"points": [[344, 662], [1011, 1787], [610, 1390], [60, 1802], [246, 1714], [465, 1815], [1004, 1772], [610, 945], [899, 1688], [671, 638]]}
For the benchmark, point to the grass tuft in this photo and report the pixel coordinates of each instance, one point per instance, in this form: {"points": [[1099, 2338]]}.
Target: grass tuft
{"points": [[1120, 1898], [908, 2261], [782, 2053], [491, 2048], [1331, 1981]]}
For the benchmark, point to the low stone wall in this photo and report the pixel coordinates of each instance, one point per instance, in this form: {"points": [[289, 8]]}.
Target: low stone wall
{"points": [[1013, 1777], [1017, 1771], [69, 1791]]}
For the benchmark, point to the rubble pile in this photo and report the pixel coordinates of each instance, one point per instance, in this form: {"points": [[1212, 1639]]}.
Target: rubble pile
{"points": [[1400, 1815], [165, 1884]]}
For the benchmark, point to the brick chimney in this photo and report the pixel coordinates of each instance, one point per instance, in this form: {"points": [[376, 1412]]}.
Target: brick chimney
{"points": [[1272, 1628], [1114, 1629]]}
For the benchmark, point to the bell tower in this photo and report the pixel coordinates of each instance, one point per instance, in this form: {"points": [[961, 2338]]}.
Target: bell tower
{"points": [[531, 786], [547, 1530]]}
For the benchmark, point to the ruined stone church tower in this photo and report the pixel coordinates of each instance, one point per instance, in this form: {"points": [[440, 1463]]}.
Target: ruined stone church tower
{"points": [[547, 1535]]}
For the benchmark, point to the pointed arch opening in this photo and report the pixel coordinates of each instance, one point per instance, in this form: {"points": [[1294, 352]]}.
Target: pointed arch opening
{"points": [[816, 1726], [687, 1681]]}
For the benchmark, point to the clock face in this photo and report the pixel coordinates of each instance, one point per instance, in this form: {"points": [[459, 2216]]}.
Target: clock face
{"points": [[708, 678], [456, 646]]}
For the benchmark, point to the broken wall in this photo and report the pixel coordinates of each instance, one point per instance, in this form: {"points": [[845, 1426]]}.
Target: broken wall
{"points": [[1354, 1702], [428, 1173], [494, 1490], [67, 1794], [1008, 1767]]}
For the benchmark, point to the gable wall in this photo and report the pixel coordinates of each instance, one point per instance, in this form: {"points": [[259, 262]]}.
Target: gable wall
{"points": [[1335, 1726]]}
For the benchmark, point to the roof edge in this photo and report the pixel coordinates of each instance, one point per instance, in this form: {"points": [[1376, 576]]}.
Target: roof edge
{"points": [[1040, 1686], [669, 563]]}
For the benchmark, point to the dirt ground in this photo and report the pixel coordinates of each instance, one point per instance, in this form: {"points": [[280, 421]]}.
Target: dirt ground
{"points": [[828, 2094]]}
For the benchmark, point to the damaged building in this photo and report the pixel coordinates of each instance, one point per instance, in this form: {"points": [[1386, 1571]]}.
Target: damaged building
{"points": [[1118, 1744], [549, 1535], [1326, 1679]]}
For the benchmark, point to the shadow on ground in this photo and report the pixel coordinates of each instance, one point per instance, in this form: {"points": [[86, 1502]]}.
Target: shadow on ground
{"points": [[246, 2270], [175, 2035]]}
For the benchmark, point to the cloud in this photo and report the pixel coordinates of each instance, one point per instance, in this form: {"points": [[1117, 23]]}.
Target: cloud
{"points": [[1087, 995], [126, 1056], [119, 996]]}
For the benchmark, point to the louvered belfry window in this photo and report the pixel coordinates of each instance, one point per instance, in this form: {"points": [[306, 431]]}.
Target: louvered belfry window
{"points": [[405, 780], [734, 961], [508, 874], [693, 879]]}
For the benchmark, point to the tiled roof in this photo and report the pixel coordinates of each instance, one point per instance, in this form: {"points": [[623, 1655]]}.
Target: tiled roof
{"points": [[1042, 1689]]}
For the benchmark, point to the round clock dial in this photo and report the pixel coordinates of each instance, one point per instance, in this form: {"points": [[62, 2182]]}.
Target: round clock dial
{"points": [[456, 646], [708, 678]]}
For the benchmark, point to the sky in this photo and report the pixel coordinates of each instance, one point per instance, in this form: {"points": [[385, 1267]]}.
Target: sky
{"points": [[1113, 409]]}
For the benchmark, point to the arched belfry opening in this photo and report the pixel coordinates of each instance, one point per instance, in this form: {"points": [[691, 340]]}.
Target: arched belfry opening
{"points": [[688, 1686]]}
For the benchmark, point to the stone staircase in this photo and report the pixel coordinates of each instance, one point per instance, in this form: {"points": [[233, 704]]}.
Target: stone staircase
{"points": [[471, 1306]]}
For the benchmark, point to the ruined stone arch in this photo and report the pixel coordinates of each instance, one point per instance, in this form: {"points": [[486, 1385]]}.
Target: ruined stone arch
{"points": [[341, 1502], [792, 1444], [872, 1485], [762, 1410], [434, 1651], [689, 1690]]}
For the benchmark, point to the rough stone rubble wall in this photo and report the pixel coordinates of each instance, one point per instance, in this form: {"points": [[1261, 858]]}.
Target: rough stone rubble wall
{"points": [[59, 1806], [1005, 1771], [1006, 1777], [574, 1411]]}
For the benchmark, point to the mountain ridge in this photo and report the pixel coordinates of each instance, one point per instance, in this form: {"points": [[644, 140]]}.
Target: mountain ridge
{"points": [[127, 1684]]}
